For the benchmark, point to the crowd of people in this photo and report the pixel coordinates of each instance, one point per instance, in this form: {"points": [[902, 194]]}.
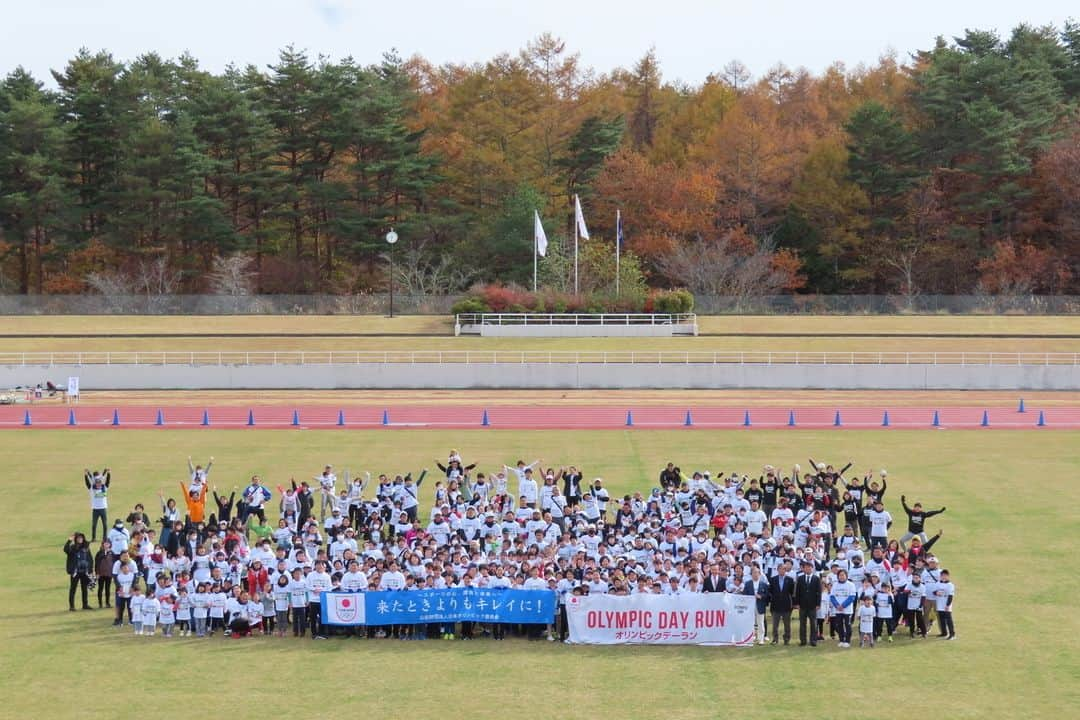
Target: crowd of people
{"points": [[811, 540]]}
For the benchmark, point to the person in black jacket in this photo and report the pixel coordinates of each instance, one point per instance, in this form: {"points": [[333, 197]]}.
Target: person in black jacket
{"points": [[80, 566], [224, 506], [781, 598], [916, 521], [103, 565], [808, 596], [572, 486]]}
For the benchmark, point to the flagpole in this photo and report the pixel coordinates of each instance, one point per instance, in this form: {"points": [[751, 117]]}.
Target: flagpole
{"points": [[618, 247], [575, 245], [536, 246]]}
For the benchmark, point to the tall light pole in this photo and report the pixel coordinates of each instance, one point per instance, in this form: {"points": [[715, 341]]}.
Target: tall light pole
{"points": [[391, 238]]}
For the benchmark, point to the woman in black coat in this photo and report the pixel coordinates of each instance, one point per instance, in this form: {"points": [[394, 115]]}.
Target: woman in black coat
{"points": [[80, 566]]}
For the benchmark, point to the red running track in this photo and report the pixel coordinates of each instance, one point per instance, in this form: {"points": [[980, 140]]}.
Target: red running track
{"points": [[524, 417]]}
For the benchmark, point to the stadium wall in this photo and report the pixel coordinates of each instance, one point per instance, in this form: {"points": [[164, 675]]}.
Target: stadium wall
{"points": [[551, 376]]}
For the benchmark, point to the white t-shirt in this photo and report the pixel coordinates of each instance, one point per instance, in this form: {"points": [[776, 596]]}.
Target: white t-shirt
{"points": [[941, 594], [866, 618]]}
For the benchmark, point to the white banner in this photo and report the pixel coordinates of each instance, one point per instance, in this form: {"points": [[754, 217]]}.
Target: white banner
{"points": [[343, 608], [688, 619], [73, 387]]}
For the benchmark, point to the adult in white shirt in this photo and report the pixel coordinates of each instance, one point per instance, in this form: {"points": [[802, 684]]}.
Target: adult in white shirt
{"points": [[843, 597], [318, 582], [327, 482], [880, 522]]}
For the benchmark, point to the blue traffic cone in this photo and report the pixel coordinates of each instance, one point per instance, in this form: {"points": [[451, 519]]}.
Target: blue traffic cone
{"points": [[689, 421], [836, 420], [746, 419], [791, 418], [160, 420], [937, 420], [1021, 408], [885, 419], [986, 419], [26, 421], [385, 417], [1042, 420], [341, 418], [296, 418], [115, 417], [71, 417], [629, 419], [205, 418], [484, 422], [251, 417]]}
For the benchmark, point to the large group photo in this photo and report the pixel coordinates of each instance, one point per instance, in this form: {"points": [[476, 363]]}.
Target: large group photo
{"points": [[272, 562], [577, 359]]}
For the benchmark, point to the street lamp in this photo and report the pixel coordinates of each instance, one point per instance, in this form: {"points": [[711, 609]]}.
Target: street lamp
{"points": [[391, 238]]}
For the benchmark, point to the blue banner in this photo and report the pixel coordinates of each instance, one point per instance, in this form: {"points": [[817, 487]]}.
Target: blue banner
{"points": [[453, 605]]}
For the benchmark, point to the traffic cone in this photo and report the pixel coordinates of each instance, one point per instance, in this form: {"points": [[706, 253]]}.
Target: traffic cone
{"points": [[205, 418], [71, 418], [885, 419], [1042, 420], [986, 419], [296, 418], [385, 417], [115, 417], [689, 421], [341, 418], [791, 418], [26, 421], [484, 420], [836, 420], [629, 419], [746, 419], [1021, 408], [937, 420], [251, 418], [160, 420]]}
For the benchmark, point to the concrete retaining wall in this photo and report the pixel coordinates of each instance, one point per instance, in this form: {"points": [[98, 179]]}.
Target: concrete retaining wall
{"points": [[554, 376]]}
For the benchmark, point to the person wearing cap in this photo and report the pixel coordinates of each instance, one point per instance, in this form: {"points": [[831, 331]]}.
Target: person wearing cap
{"points": [[808, 598]]}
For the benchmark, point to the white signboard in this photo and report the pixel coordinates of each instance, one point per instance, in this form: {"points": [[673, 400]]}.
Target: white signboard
{"points": [[688, 619], [73, 387]]}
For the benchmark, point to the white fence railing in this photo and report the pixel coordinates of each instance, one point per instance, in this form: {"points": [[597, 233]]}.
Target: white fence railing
{"points": [[666, 357], [576, 319]]}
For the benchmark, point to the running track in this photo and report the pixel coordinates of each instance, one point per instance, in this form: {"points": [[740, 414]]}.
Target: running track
{"points": [[525, 417]]}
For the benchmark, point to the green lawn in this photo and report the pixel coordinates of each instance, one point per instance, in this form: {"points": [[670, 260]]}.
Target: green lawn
{"points": [[1009, 535]]}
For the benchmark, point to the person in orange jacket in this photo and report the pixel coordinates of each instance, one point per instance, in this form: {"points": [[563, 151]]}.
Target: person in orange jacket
{"points": [[196, 504]]}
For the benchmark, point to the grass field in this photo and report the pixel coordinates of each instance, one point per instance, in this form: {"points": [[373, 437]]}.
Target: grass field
{"points": [[1009, 538]]}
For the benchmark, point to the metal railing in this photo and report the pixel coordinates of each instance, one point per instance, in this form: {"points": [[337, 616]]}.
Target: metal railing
{"points": [[575, 319], [638, 357]]}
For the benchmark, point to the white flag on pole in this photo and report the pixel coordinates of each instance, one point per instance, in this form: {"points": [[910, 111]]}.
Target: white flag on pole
{"points": [[539, 235], [579, 218]]}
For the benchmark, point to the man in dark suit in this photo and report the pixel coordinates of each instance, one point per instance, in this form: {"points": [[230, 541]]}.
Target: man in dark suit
{"points": [[808, 596], [758, 586], [715, 581], [782, 599]]}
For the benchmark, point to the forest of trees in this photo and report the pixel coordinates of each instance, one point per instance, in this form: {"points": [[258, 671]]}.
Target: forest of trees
{"points": [[953, 171]]}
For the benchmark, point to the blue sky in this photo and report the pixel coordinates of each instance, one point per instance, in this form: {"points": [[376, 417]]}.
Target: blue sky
{"points": [[692, 37]]}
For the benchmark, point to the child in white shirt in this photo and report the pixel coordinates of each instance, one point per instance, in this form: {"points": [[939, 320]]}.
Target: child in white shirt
{"points": [[137, 600], [867, 614], [200, 609], [151, 606], [167, 614], [183, 612]]}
